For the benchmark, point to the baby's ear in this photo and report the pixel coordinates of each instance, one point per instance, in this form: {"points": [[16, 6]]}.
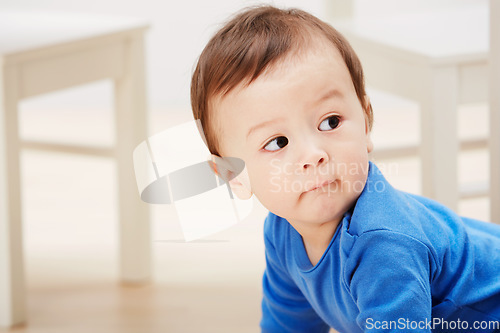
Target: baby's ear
{"points": [[233, 171], [368, 110]]}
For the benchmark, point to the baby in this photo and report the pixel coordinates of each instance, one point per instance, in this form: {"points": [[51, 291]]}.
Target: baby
{"points": [[284, 92]]}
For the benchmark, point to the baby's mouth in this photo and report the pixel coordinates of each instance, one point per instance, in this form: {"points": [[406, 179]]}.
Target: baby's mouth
{"points": [[319, 186]]}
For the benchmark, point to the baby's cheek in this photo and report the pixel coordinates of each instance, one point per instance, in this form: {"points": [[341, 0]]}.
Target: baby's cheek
{"points": [[274, 185], [270, 188], [263, 183]]}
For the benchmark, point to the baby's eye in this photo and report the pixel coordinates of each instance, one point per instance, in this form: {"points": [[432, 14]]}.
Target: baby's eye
{"points": [[329, 123], [276, 143]]}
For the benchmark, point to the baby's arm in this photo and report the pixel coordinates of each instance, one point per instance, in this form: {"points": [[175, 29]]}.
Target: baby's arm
{"points": [[284, 307], [388, 275]]}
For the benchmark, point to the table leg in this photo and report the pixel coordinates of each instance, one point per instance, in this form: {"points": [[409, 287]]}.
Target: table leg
{"points": [[12, 288], [131, 129], [440, 145], [494, 112]]}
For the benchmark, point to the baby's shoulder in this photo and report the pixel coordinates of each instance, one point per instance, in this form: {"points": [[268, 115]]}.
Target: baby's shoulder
{"points": [[406, 215]]}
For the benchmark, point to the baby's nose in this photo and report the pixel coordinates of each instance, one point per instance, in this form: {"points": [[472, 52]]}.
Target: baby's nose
{"points": [[317, 163], [313, 156]]}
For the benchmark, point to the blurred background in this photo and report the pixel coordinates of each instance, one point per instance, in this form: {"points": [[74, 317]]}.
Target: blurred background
{"points": [[69, 204]]}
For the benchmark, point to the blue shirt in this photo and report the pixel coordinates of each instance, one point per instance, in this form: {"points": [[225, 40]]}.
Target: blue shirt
{"points": [[397, 262]]}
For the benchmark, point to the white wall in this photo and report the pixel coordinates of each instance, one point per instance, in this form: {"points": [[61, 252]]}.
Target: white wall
{"points": [[390, 7]]}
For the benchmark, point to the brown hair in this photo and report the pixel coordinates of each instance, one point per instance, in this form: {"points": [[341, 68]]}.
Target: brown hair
{"points": [[250, 43]]}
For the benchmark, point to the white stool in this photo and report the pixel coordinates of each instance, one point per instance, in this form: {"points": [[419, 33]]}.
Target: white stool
{"points": [[439, 59], [42, 52]]}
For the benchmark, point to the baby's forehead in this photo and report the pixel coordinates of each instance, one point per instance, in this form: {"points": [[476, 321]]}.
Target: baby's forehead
{"points": [[281, 66]]}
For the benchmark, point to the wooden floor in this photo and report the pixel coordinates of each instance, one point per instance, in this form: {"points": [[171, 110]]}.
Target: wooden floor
{"points": [[108, 307], [210, 285]]}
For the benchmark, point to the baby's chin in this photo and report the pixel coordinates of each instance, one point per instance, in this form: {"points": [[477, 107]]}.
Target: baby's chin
{"points": [[314, 218]]}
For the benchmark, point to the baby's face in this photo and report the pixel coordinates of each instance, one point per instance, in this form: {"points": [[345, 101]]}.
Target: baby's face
{"points": [[302, 133]]}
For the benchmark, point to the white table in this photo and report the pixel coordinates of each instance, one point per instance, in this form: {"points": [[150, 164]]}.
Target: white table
{"points": [[42, 52]]}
